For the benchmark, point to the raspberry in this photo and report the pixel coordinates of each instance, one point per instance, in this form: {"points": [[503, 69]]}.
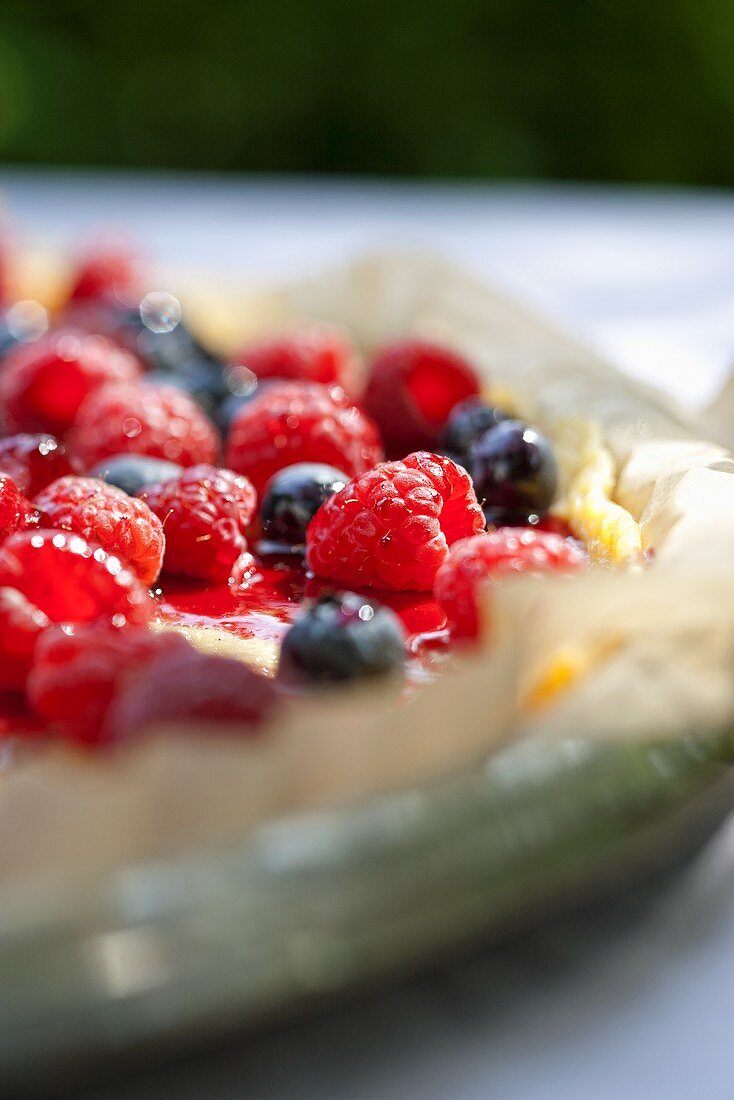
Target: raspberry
{"points": [[105, 515], [20, 627], [301, 422], [76, 674], [412, 388], [205, 514], [72, 580], [15, 510], [391, 527], [492, 556], [155, 420], [43, 384], [191, 687], [34, 461], [112, 274], [314, 353]]}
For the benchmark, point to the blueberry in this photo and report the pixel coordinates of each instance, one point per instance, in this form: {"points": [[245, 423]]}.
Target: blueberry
{"points": [[514, 471], [467, 421], [342, 636], [293, 496], [131, 473], [232, 403], [200, 380]]}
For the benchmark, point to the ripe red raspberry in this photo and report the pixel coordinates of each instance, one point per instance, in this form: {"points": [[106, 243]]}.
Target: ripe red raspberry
{"points": [[110, 273], [392, 526], [76, 675], [21, 624], [43, 383], [105, 515], [195, 688], [301, 422], [509, 550], [313, 353], [205, 514], [146, 419], [412, 387], [15, 510], [73, 580], [34, 461]]}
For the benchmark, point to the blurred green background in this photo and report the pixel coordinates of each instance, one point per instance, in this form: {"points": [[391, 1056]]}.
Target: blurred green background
{"points": [[568, 89]]}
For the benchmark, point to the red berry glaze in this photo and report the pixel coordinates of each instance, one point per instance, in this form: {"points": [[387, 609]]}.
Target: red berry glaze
{"points": [[392, 527], [146, 419], [412, 387], [21, 625], [205, 514], [76, 675], [313, 353], [44, 383], [72, 580], [192, 687], [489, 557], [301, 422], [107, 516], [109, 273], [34, 461]]}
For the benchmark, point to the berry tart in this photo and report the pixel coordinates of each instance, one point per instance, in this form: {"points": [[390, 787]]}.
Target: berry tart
{"points": [[326, 513], [324, 543]]}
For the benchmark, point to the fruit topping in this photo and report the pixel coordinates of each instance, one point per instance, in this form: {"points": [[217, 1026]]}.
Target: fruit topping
{"points": [[162, 338], [313, 353], [467, 421], [145, 419], [77, 673], [44, 383], [412, 388], [107, 516], [491, 556], [301, 422], [34, 461], [205, 513], [391, 527], [15, 510], [73, 580], [514, 472], [204, 382], [342, 636], [21, 624], [108, 273], [292, 498], [132, 473], [192, 687]]}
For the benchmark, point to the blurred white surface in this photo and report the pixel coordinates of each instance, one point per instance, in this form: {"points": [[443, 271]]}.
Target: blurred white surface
{"points": [[647, 277]]}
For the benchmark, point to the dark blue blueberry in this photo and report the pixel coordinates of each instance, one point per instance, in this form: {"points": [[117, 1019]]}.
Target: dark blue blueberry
{"points": [[293, 496], [131, 473], [171, 351], [514, 471], [200, 379], [467, 421], [231, 405], [342, 636]]}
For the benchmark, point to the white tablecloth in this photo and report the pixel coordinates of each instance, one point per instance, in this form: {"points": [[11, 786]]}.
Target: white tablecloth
{"points": [[637, 1008]]}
